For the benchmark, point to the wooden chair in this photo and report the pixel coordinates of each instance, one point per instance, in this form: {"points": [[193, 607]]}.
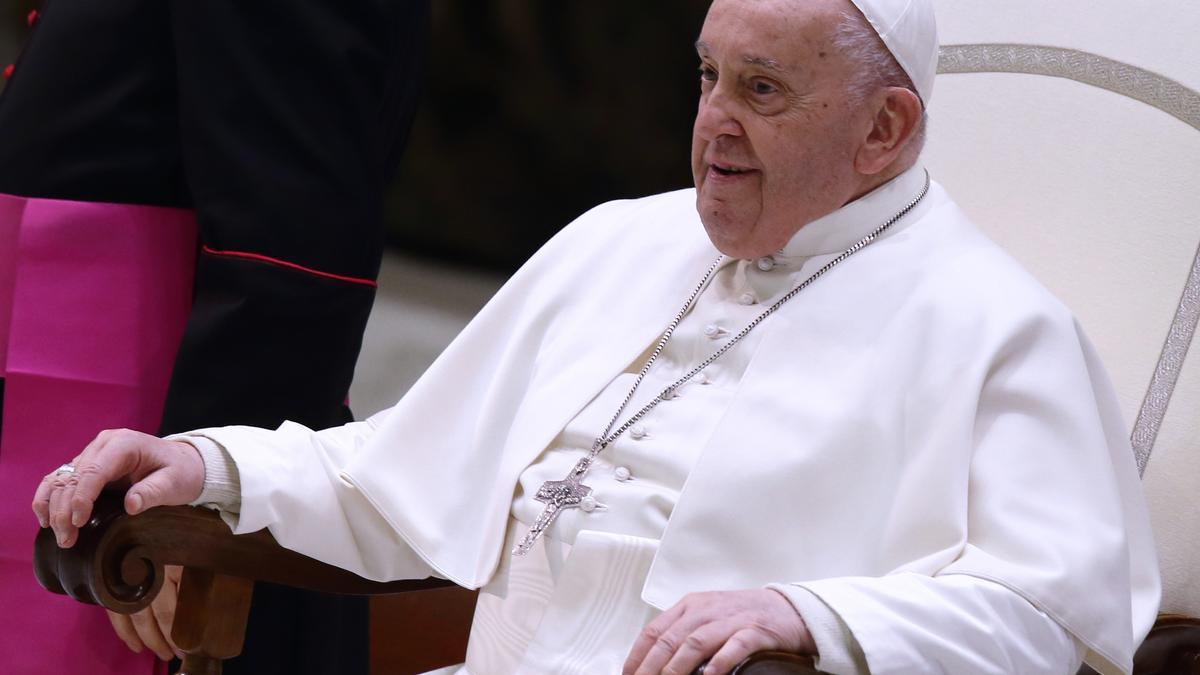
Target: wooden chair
{"points": [[118, 563], [1071, 132]]}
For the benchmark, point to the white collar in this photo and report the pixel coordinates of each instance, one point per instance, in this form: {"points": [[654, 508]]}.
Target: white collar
{"points": [[841, 229]]}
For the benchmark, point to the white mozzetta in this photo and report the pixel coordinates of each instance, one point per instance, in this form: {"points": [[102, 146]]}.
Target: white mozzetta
{"points": [[924, 414]]}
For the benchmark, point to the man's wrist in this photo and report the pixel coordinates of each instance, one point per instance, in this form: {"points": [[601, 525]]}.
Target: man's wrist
{"points": [[222, 483], [835, 646], [808, 645]]}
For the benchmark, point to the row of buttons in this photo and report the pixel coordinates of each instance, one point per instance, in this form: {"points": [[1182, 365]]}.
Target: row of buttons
{"points": [[30, 19], [638, 431], [589, 503], [714, 332], [766, 264]]}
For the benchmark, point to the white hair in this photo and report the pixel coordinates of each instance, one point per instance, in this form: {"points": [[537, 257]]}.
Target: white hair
{"points": [[876, 67]]}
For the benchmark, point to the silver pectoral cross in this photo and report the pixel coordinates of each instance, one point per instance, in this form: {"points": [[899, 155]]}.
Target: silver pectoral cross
{"points": [[557, 495]]}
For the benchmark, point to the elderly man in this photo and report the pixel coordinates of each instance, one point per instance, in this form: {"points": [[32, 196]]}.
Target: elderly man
{"points": [[864, 433]]}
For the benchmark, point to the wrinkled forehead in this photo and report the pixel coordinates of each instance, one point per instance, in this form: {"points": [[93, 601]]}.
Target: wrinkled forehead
{"points": [[774, 31]]}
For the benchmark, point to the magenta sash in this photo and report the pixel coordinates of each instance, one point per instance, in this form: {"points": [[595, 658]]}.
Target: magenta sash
{"points": [[93, 302]]}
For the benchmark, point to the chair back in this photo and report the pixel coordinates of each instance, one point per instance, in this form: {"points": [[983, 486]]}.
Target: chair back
{"points": [[1070, 131]]}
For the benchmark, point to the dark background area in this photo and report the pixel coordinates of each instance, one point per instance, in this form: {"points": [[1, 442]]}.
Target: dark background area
{"points": [[534, 111]]}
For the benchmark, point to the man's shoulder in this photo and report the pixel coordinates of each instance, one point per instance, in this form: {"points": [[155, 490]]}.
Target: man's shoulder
{"points": [[966, 270], [613, 243]]}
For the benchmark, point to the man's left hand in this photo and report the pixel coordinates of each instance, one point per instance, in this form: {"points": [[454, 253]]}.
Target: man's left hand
{"points": [[723, 627]]}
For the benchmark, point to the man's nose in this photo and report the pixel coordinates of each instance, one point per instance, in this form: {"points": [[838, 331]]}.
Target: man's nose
{"points": [[717, 116]]}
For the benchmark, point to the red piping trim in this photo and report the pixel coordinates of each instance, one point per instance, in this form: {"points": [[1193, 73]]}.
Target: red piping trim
{"points": [[290, 265]]}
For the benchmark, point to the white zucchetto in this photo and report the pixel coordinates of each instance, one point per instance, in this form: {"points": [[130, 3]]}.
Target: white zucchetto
{"points": [[909, 30]]}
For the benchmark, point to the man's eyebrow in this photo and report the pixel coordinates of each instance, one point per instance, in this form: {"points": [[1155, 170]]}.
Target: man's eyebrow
{"points": [[702, 48], [764, 62]]}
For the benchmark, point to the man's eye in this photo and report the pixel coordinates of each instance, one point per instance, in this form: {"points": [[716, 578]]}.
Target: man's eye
{"points": [[763, 88], [707, 74]]}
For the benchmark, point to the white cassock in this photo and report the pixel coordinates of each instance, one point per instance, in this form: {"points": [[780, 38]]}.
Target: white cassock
{"points": [[921, 450]]}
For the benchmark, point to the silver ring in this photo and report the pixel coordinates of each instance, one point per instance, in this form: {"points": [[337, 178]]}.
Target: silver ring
{"points": [[64, 470]]}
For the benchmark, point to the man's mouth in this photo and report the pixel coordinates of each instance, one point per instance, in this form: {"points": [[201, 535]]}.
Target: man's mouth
{"points": [[728, 170]]}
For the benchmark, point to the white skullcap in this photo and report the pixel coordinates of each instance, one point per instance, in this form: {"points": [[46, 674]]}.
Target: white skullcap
{"points": [[909, 30]]}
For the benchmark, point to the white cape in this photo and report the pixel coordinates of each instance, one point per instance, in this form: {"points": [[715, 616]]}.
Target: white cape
{"points": [[925, 409]]}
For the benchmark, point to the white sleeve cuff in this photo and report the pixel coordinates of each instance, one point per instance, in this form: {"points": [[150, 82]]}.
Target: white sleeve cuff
{"points": [[838, 652], [222, 484]]}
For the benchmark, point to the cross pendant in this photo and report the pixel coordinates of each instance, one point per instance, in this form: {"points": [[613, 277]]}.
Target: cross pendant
{"points": [[557, 495]]}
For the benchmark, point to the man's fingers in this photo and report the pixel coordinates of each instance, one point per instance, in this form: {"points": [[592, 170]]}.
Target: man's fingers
{"points": [[163, 608], [123, 626], [660, 654], [55, 502], [648, 638], [62, 487], [115, 454], [698, 646], [162, 473], [93, 471], [722, 626], [739, 645], [160, 488], [83, 481], [174, 474], [671, 641], [41, 501], [147, 629]]}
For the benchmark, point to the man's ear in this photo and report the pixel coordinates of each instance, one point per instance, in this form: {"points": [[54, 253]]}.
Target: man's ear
{"points": [[897, 116]]}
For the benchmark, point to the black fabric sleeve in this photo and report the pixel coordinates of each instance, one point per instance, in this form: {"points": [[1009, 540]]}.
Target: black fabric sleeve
{"points": [[89, 114], [279, 123], [291, 117]]}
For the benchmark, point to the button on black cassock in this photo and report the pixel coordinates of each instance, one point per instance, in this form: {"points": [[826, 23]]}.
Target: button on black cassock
{"points": [[279, 123]]}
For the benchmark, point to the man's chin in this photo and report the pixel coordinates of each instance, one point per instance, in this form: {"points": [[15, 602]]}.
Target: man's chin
{"points": [[732, 239]]}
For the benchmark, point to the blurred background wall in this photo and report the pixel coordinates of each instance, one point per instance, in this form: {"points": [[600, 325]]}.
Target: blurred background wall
{"points": [[537, 110]]}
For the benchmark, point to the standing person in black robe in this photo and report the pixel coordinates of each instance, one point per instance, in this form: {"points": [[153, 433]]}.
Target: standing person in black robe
{"points": [[275, 125]]}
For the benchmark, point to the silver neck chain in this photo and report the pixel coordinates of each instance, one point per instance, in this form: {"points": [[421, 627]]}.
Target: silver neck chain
{"points": [[607, 437]]}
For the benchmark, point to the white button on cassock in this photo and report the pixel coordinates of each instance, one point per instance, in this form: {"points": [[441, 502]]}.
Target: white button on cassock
{"points": [[638, 432], [747, 299], [713, 331], [622, 474], [766, 263], [587, 504]]}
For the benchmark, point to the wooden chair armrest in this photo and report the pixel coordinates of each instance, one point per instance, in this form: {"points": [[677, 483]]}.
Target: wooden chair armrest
{"points": [[1171, 648], [117, 562], [776, 663]]}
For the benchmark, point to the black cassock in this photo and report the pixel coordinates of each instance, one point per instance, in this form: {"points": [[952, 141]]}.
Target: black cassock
{"points": [[279, 123]]}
